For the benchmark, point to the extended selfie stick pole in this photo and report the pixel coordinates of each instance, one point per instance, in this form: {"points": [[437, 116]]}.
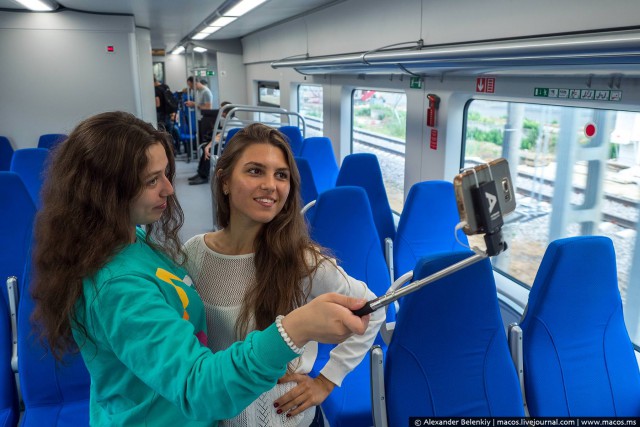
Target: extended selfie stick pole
{"points": [[386, 299]]}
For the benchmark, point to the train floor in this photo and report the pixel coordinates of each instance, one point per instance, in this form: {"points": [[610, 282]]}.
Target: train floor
{"points": [[195, 201]]}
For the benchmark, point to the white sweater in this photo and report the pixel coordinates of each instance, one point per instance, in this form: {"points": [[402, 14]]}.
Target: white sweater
{"points": [[222, 282]]}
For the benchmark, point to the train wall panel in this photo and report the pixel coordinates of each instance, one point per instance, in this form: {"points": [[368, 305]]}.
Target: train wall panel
{"points": [[145, 95], [231, 78], [175, 70], [281, 41], [56, 71]]}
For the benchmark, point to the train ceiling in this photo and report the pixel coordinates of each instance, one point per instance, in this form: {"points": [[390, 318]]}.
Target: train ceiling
{"points": [[173, 21]]}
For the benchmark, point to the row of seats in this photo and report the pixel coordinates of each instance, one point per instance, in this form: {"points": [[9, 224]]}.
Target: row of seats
{"points": [[46, 141], [49, 393], [426, 224], [341, 221], [448, 355]]}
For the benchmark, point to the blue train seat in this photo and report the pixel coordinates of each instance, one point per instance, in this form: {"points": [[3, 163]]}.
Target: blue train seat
{"points": [[343, 223], [51, 140], [9, 411], [30, 165], [427, 225], [448, 356], [188, 134], [578, 359], [308, 188], [294, 137], [318, 151], [54, 393], [6, 153], [230, 134], [363, 170], [17, 212]]}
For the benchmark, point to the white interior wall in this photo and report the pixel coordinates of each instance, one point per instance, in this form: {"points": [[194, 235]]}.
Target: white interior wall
{"points": [[67, 74], [175, 71], [144, 70], [232, 78]]}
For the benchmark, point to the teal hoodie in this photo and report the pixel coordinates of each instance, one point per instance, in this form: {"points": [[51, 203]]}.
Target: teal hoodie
{"points": [[146, 348]]}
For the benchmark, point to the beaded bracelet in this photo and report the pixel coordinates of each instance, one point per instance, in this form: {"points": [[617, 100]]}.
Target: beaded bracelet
{"points": [[286, 337]]}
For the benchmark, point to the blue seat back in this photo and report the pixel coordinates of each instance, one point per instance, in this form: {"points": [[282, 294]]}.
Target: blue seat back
{"points": [[448, 356], [9, 411], [427, 225], [343, 223], [17, 213], [187, 133], [363, 170], [230, 134], [308, 188], [578, 358], [6, 152], [30, 164], [51, 140], [294, 137], [318, 151], [54, 393]]}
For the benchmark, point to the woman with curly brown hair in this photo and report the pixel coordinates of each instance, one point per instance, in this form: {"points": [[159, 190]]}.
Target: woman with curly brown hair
{"points": [[261, 264], [117, 292]]}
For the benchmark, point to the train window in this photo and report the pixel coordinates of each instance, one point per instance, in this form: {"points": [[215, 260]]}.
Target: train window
{"points": [[379, 127], [269, 94], [310, 107], [576, 171], [158, 71]]}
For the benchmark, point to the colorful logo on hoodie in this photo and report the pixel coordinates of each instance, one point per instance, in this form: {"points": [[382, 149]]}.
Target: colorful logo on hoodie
{"points": [[169, 278]]}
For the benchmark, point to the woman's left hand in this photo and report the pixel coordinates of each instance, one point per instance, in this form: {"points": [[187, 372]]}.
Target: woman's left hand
{"points": [[309, 392]]}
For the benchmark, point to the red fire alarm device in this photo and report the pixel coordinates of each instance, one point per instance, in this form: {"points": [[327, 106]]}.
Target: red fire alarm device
{"points": [[111, 49], [433, 140]]}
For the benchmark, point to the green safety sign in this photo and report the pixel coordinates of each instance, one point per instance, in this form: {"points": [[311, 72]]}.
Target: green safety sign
{"points": [[415, 83], [203, 73], [541, 91]]}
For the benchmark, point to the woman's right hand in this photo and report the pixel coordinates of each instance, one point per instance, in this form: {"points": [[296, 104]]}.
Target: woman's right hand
{"points": [[327, 318]]}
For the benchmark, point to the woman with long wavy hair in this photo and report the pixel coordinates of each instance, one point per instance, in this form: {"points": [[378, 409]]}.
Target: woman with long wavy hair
{"points": [[108, 281], [262, 263]]}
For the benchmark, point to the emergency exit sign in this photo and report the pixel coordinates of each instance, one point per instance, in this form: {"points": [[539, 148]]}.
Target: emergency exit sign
{"points": [[541, 91], [415, 83], [203, 73]]}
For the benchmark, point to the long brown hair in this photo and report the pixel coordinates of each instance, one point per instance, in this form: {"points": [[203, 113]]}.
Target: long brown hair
{"points": [[282, 246], [85, 217]]}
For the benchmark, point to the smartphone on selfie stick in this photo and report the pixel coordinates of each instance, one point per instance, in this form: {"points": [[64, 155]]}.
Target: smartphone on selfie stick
{"points": [[484, 194]]}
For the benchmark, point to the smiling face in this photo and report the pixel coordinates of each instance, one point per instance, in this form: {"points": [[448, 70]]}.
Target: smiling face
{"points": [[258, 186], [149, 205]]}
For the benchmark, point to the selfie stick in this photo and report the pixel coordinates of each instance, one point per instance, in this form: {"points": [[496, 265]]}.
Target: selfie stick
{"points": [[386, 299], [489, 218]]}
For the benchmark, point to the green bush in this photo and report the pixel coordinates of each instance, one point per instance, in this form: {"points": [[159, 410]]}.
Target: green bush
{"points": [[363, 111], [530, 133], [493, 135]]}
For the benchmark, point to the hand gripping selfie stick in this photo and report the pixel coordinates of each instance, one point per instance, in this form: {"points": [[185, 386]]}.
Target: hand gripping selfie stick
{"points": [[489, 218]]}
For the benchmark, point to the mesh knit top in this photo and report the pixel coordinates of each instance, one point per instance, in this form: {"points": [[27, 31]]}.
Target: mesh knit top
{"points": [[223, 280]]}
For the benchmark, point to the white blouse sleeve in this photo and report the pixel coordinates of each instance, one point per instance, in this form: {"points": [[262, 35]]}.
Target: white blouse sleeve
{"points": [[329, 277]]}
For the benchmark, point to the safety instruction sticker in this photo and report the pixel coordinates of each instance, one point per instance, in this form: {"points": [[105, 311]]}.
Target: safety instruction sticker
{"points": [[587, 94]]}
